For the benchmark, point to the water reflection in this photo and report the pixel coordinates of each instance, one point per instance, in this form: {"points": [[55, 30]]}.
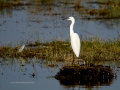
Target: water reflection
{"points": [[95, 75], [91, 83], [37, 71]]}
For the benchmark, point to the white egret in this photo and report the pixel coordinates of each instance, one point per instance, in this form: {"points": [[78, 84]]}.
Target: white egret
{"points": [[75, 40], [21, 48]]}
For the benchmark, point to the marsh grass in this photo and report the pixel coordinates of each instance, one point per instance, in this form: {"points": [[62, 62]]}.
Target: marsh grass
{"points": [[53, 51], [101, 50], [91, 50], [109, 10], [5, 3], [11, 3]]}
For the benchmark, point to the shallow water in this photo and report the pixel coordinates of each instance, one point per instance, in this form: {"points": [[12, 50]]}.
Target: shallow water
{"points": [[44, 22], [35, 74]]}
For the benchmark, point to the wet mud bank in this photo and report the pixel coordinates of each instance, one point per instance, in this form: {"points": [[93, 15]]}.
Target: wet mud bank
{"points": [[84, 75]]}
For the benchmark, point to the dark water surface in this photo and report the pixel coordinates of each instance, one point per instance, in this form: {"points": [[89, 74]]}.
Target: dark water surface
{"points": [[35, 74]]}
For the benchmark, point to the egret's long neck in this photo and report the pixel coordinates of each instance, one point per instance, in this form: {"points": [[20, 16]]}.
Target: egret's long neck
{"points": [[71, 27]]}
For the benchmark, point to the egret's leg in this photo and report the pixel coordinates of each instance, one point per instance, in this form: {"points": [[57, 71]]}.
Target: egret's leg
{"points": [[78, 61], [73, 58]]}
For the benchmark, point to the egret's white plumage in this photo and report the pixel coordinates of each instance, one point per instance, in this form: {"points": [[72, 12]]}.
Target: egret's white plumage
{"points": [[75, 43], [75, 40], [21, 48]]}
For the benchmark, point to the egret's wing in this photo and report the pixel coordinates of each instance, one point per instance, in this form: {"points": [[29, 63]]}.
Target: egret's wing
{"points": [[75, 43], [21, 48]]}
